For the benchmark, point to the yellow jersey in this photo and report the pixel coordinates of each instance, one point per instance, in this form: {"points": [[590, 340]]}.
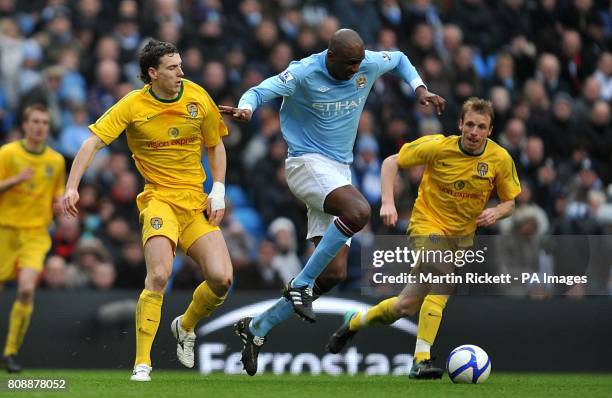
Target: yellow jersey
{"points": [[456, 185], [165, 137], [29, 204]]}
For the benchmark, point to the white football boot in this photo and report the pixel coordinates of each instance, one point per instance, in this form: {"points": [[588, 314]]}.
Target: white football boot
{"points": [[185, 342], [141, 372]]}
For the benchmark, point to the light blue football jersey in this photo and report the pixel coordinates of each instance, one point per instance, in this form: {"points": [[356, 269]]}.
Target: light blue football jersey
{"points": [[319, 114]]}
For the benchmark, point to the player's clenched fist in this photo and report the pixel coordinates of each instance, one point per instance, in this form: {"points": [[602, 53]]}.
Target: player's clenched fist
{"points": [[69, 201], [388, 214], [243, 115]]}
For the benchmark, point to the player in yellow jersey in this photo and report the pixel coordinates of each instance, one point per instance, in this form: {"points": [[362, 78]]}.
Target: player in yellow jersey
{"points": [[32, 179], [460, 174], [168, 123]]}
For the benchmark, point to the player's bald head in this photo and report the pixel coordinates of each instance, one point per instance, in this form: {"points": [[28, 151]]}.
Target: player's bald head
{"points": [[345, 53], [345, 39]]}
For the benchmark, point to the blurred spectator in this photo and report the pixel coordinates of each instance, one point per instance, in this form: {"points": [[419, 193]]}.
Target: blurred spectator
{"points": [[603, 74], [73, 134], [55, 273], [65, 236], [286, 261], [514, 139], [88, 254], [360, 15], [102, 276], [560, 120], [367, 168], [47, 93], [101, 96], [260, 275], [548, 73], [131, 268]]}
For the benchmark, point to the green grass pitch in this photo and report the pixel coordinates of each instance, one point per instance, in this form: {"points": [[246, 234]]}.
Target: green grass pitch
{"points": [[113, 383]]}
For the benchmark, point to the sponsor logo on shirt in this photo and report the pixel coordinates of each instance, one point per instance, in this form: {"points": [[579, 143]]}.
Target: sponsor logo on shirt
{"points": [[386, 57], [173, 132], [459, 185], [338, 107], [174, 142], [323, 89]]}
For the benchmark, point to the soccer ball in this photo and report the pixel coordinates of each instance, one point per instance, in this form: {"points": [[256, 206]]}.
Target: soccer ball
{"points": [[468, 364]]}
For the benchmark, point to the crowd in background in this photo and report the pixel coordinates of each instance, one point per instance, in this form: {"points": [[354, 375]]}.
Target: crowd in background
{"points": [[546, 66]]}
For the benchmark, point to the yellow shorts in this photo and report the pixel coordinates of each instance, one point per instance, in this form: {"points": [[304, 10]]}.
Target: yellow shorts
{"points": [[22, 248], [175, 214], [435, 240]]}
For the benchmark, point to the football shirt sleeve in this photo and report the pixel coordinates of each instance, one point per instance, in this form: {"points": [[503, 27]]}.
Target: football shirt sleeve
{"points": [[420, 151], [114, 121], [506, 181], [3, 164], [281, 85], [60, 178], [397, 63]]}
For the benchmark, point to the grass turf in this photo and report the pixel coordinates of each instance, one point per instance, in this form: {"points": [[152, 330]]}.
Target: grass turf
{"points": [[112, 383]]}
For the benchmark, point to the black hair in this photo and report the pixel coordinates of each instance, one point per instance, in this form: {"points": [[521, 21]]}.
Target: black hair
{"points": [[150, 56]]}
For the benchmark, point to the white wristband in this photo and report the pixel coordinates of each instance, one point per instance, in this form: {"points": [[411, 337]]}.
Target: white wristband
{"points": [[217, 196]]}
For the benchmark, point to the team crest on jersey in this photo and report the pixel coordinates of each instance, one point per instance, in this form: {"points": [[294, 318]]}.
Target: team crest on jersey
{"points": [[49, 171], [459, 185], [361, 81], [173, 132], [386, 57], [192, 109], [157, 222], [482, 168]]}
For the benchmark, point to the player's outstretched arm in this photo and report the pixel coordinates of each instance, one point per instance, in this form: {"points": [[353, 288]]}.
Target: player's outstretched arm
{"points": [[215, 205], [388, 173], [83, 158], [491, 215]]}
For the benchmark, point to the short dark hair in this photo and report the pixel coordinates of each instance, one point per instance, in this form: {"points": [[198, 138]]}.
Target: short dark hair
{"points": [[151, 54], [478, 105]]}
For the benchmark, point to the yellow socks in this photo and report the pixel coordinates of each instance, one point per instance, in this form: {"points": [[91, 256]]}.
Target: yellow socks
{"points": [[148, 314], [381, 314], [19, 321], [204, 302], [430, 317]]}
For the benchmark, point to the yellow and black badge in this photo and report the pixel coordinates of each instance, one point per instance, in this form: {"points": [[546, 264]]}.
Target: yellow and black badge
{"points": [[192, 109], [482, 168], [156, 222]]}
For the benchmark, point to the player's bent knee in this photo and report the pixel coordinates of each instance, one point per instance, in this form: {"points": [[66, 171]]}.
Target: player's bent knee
{"points": [[159, 277], [25, 294], [220, 283], [357, 215]]}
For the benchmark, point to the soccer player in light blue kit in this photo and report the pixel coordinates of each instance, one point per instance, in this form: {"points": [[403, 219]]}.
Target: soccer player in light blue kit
{"points": [[323, 96]]}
